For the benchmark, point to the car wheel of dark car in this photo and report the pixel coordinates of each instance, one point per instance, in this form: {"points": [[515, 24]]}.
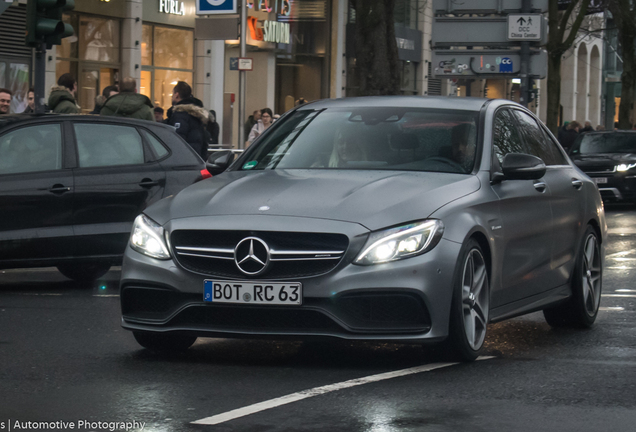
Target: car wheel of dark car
{"points": [[165, 343], [582, 308], [84, 272], [470, 306]]}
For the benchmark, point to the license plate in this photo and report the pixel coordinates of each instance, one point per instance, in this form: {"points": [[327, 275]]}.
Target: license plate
{"points": [[599, 180], [250, 292]]}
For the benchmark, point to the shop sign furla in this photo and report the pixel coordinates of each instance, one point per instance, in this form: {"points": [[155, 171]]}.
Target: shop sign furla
{"points": [[173, 7]]}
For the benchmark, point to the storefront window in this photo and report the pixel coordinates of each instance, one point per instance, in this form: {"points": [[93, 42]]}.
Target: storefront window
{"points": [[15, 77], [146, 45], [99, 40], [68, 49], [173, 48], [165, 80]]}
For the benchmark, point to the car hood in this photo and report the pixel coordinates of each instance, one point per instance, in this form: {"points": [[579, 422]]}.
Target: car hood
{"points": [[374, 199], [603, 158]]}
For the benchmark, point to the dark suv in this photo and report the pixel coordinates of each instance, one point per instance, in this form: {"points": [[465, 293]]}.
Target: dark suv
{"points": [[609, 158], [71, 187]]}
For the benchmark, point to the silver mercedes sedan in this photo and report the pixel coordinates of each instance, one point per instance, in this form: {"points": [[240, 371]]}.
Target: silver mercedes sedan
{"points": [[402, 219]]}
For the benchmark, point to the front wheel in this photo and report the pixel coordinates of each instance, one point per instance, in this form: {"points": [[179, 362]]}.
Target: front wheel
{"points": [[470, 307], [582, 308], [164, 342]]}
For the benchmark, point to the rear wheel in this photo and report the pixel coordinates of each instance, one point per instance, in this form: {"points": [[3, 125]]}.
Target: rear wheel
{"points": [[165, 343], [84, 272], [582, 308], [471, 303]]}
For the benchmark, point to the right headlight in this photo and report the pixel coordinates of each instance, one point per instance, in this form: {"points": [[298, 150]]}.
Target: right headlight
{"points": [[401, 242], [147, 237]]}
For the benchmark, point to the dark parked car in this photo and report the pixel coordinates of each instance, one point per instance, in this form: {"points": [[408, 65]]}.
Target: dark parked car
{"points": [[609, 158], [71, 187], [403, 219]]}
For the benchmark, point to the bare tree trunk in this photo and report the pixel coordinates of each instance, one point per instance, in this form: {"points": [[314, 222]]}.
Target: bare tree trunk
{"points": [[554, 92], [557, 45], [377, 59], [624, 14]]}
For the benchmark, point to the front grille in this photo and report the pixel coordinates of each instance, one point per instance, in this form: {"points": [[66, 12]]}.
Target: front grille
{"points": [[255, 319], [599, 169], [293, 254]]}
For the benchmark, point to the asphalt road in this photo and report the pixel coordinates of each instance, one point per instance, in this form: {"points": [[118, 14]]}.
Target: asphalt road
{"points": [[66, 361]]}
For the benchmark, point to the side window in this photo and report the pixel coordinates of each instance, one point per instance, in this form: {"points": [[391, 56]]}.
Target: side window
{"points": [[30, 149], [559, 159], [506, 136], [159, 149], [536, 140], [108, 145]]}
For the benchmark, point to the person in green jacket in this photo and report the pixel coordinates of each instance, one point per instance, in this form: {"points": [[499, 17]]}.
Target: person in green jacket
{"points": [[62, 98], [128, 103]]}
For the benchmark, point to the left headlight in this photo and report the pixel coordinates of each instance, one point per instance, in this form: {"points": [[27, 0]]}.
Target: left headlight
{"points": [[625, 167], [401, 242], [147, 237]]}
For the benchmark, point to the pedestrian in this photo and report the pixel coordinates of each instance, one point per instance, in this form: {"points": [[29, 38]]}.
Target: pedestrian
{"points": [[129, 103], [101, 99], [158, 114], [588, 127], [262, 125], [251, 121], [569, 135], [5, 101], [30, 102], [62, 98], [213, 128], [300, 101], [189, 118]]}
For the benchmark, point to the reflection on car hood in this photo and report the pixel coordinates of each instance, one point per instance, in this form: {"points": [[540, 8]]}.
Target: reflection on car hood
{"points": [[375, 199]]}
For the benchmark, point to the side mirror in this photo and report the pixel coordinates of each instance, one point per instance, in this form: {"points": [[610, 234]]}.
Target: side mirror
{"points": [[520, 166], [219, 162]]}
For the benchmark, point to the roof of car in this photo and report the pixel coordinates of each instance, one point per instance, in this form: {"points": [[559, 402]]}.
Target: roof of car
{"points": [[439, 102], [12, 119]]}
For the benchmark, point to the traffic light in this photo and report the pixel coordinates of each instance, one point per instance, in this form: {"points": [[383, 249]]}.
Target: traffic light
{"points": [[44, 22]]}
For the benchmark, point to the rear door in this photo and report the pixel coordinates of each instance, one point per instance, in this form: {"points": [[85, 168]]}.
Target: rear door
{"points": [[116, 179], [36, 195]]}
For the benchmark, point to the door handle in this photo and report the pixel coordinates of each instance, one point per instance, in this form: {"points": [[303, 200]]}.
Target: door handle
{"points": [[147, 183], [578, 184], [540, 186], [59, 189]]}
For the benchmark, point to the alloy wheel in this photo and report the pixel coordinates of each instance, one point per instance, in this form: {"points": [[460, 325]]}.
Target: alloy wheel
{"points": [[475, 299], [591, 277]]}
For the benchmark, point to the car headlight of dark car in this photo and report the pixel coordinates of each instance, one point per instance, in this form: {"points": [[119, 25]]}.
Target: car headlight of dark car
{"points": [[148, 238], [625, 167], [401, 242]]}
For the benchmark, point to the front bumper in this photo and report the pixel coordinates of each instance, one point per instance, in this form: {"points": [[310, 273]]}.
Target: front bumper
{"points": [[406, 300]]}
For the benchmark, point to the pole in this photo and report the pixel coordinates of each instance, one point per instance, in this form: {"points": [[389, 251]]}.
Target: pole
{"points": [[39, 71], [526, 7], [242, 78]]}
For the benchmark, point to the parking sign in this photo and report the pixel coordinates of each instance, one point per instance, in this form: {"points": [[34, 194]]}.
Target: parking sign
{"points": [[214, 7]]}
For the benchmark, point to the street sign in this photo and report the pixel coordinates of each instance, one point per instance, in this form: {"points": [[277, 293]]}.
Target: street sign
{"points": [[481, 31], [524, 27], [486, 63], [245, 64], [221, 27], [214, 7], [485, 6]]}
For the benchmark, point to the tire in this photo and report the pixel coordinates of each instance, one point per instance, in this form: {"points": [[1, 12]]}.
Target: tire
{"points": [[470, 308], [581, 309], [164, 343], [84, 272]]}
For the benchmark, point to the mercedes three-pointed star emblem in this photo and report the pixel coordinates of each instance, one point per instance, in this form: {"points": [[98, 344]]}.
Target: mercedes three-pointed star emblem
{"points": [[252, 256]]}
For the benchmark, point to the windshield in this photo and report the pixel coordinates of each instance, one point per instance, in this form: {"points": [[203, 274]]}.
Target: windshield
{"points": [[370, 138], [606, 143]]}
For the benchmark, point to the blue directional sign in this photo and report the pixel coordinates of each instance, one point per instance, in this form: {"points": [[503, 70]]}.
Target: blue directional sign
{"points": [[506, 65], [215, 7]]}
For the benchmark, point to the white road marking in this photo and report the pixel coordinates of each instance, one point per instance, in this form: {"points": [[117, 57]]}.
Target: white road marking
{"points": [[611, 308], [623, 253], [625, 290], [619, 295], [317, 391], [106, 295]]}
